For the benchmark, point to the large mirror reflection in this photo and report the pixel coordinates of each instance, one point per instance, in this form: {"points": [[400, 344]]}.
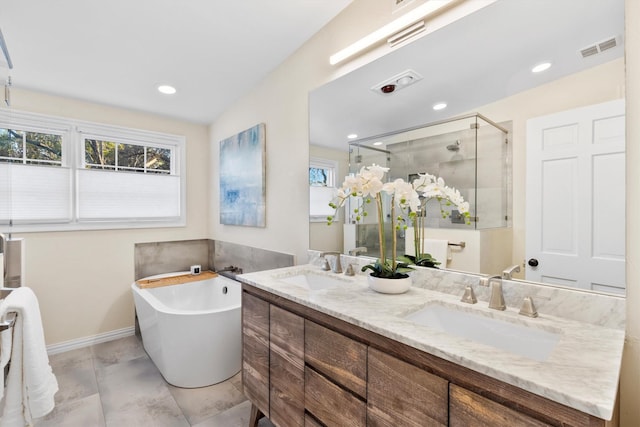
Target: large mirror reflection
{"points": [[561, 171]]}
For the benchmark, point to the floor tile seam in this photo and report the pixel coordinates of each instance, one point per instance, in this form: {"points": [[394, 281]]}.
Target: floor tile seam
{"points": [[167, 386], [95, 374]]}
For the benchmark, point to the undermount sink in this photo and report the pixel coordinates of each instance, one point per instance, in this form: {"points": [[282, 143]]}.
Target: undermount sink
{"points": [[315, 281], [533, 343]]}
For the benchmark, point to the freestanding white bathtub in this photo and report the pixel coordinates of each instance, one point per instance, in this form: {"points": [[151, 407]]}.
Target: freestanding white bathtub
{"points": [[192, 331]]}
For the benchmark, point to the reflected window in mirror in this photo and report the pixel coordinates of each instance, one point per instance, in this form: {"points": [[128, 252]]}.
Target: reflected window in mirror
{"points": [[322, 188]]}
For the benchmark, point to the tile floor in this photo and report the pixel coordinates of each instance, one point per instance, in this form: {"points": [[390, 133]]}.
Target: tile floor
{"points": [[115, 384]]}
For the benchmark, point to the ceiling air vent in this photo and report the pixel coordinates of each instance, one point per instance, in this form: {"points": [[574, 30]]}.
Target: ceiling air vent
{"points": [[589, 51], [599, 47], [607, 44]]}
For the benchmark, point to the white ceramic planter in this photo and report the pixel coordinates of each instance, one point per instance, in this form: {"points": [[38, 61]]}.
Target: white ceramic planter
{"points": [[389, 286]]}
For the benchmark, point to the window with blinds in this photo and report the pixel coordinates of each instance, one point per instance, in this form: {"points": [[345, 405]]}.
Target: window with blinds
{"points": [[322, 175], [59, 174]]}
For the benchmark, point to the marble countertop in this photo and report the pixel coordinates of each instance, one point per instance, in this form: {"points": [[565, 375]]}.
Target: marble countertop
{"points": [[582, 371]]}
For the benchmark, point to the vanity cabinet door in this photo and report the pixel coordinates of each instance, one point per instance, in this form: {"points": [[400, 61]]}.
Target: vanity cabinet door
{"points": [[255, 351], [468, 409], [340, 358], [286, 368], [400, 394]]}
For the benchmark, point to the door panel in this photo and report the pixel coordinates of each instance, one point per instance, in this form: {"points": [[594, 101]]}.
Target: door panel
{"points": [[575, 218]]}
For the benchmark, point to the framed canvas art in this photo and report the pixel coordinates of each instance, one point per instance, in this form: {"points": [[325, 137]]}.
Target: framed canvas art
{"points": [[242, 178]]}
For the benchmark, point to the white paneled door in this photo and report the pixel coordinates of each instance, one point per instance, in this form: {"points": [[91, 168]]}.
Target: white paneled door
{"points": [[575, 201]]}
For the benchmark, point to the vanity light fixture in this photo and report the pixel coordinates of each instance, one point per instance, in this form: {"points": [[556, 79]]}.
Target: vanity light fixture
{"points": [[352, 136], [406, 34], [440, 106], [166, 89], [543, 66], [388, 30]]}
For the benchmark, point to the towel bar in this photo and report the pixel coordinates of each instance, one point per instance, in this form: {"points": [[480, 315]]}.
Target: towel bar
{"points": [[11, 317], [7, 324], [461, 244]]}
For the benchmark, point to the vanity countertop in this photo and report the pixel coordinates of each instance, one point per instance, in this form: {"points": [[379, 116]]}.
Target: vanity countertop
{"points": [[581, 372]]}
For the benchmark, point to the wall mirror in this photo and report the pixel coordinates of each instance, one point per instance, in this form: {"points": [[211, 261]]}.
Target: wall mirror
{"points": [[483, 63]]}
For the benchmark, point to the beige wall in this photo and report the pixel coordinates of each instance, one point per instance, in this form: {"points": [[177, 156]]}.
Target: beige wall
{"points": [[82, 278], [630, 378]]}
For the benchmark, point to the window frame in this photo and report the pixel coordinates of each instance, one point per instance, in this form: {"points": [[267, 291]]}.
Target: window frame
{"points": [[73, 133]]}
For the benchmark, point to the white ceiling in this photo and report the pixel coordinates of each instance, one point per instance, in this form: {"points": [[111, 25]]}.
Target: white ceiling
{"points": [[474, 61], [116, 52]]}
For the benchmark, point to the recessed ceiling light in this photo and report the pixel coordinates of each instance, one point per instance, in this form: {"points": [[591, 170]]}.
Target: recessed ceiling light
{"points": [[378, 143], [352, 136], [166, 89], [541, 67], [440, 106]]}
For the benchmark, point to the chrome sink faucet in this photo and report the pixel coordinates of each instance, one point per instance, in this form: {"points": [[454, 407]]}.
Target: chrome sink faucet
{"points": [[337, 267], [496, 300]]}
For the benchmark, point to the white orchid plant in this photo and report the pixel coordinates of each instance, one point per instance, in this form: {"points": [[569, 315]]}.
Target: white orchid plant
{"points": [[406, 203], [432, 187]]}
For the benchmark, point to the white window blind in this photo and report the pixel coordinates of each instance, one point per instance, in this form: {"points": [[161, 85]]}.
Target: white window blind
{"points": [[107, 195], [319, 198], [34, 194]]}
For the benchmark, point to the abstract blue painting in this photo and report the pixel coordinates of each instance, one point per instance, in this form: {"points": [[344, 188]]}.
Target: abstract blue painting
{"points": [[242, 183]]}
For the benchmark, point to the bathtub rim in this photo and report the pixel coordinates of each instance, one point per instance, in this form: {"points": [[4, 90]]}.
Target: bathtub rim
{"points": [[148, 296]]}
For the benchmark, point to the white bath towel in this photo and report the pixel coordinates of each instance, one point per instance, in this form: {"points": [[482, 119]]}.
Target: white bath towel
{"points": [[31, 385], [437, 248]]}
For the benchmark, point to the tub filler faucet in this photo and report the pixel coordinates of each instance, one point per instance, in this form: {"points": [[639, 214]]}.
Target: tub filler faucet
{"points": [[337, 267], [230, 269]]}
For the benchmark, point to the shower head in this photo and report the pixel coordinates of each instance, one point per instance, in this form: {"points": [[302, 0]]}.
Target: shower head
{"points": [[454, 147]]}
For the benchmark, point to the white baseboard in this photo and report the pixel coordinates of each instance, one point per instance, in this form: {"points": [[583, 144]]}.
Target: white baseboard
{"points": [[88, 341]]}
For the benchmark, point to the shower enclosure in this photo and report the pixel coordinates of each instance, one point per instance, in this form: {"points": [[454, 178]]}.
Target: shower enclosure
{"points": [[471, 153]]}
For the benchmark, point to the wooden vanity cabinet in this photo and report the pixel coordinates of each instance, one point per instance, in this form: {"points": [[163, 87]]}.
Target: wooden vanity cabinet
{"points": [[303, 367]]}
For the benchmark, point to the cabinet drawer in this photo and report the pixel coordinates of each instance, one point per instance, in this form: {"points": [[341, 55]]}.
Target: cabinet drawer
{"points": [[310, 422], [468, 409], [330, 404], [400, 394], [336, 356], [255, 351]]}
